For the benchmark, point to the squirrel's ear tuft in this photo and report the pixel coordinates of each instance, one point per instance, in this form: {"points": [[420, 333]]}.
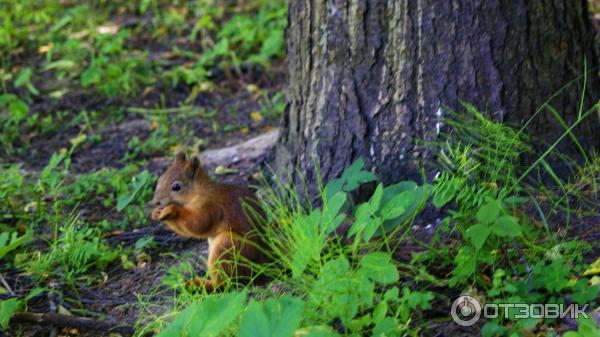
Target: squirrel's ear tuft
{"points": [[180, 158], [194, 168]]}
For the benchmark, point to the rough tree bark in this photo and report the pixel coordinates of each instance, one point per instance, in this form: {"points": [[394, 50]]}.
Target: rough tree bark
{"points": [[371, 78]]}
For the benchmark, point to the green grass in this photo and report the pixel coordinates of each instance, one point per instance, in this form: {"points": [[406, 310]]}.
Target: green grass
{"points": [[504, 236], [80, 42], [71, 256], [51, 51]]}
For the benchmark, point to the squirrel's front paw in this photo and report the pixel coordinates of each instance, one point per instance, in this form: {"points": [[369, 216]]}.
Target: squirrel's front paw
{"points": [[199, 282], [195, 282], [160, 214], [156, 214]]}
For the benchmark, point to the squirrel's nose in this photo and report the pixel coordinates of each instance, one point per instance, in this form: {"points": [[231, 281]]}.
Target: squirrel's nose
{"points": [[156, 202]]}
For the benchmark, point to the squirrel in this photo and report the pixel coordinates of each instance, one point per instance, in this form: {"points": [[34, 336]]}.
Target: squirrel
{"points": [[191, 204]]}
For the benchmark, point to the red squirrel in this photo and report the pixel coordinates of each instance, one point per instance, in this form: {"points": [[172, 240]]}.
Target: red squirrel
{"points": [[191, 204]]}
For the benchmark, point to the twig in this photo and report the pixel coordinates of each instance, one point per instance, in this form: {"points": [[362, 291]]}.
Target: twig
{"points": [[71, 321], [160, 111], [52, 307], [165, 111], [6, 286], [161, 236]]}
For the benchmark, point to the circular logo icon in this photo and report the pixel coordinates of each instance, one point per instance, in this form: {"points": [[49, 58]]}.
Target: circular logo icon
{"points": [[466, 310]]}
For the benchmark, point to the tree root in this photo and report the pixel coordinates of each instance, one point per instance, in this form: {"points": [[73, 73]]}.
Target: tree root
{"points": [[61, 320]]}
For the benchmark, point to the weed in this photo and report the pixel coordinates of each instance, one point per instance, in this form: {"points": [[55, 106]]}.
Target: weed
{"points": [[76, 251], [17, 114], [272, 106], [242, 39], [484, 185], [160, 139]]}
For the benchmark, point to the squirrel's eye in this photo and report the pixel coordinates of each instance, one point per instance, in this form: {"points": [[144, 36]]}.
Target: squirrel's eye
{"points": [[176, 186]]}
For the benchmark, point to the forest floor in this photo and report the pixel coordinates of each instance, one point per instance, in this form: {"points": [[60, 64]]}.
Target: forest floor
{"points": [[106, 132], [117, 295], [112, 133]]}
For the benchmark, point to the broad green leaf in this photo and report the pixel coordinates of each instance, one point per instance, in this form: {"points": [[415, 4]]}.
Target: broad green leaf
{"points": [[379, 267], [588, 327], [342, 291], [360, 323], [10, 242], [354, 175], [386, 327], [370, 228], [391, 294], [363, 212], [362, 217], [492, 328], [422, 193], [527, 323], [398, 205], [410, 301], [391, 191], [466, 264], [316, 331], [7, 308], [380, 311], [273, 318], [351, 178], [416, 299], [207, 317], [24, 77], [5, 99], [332, 188], [330, 221], [34, 292], [49, 170], [137, 182], [375, 200], [489, 212], [553, 277], [477, 235], [272, 45], [90, 76], [507, 225], [144, 242], [335, 268], [18, 110], [144, 5], [123, 201]]}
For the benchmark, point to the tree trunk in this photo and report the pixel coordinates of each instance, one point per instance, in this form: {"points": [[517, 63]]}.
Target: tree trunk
{"points": [[373, 78]]}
